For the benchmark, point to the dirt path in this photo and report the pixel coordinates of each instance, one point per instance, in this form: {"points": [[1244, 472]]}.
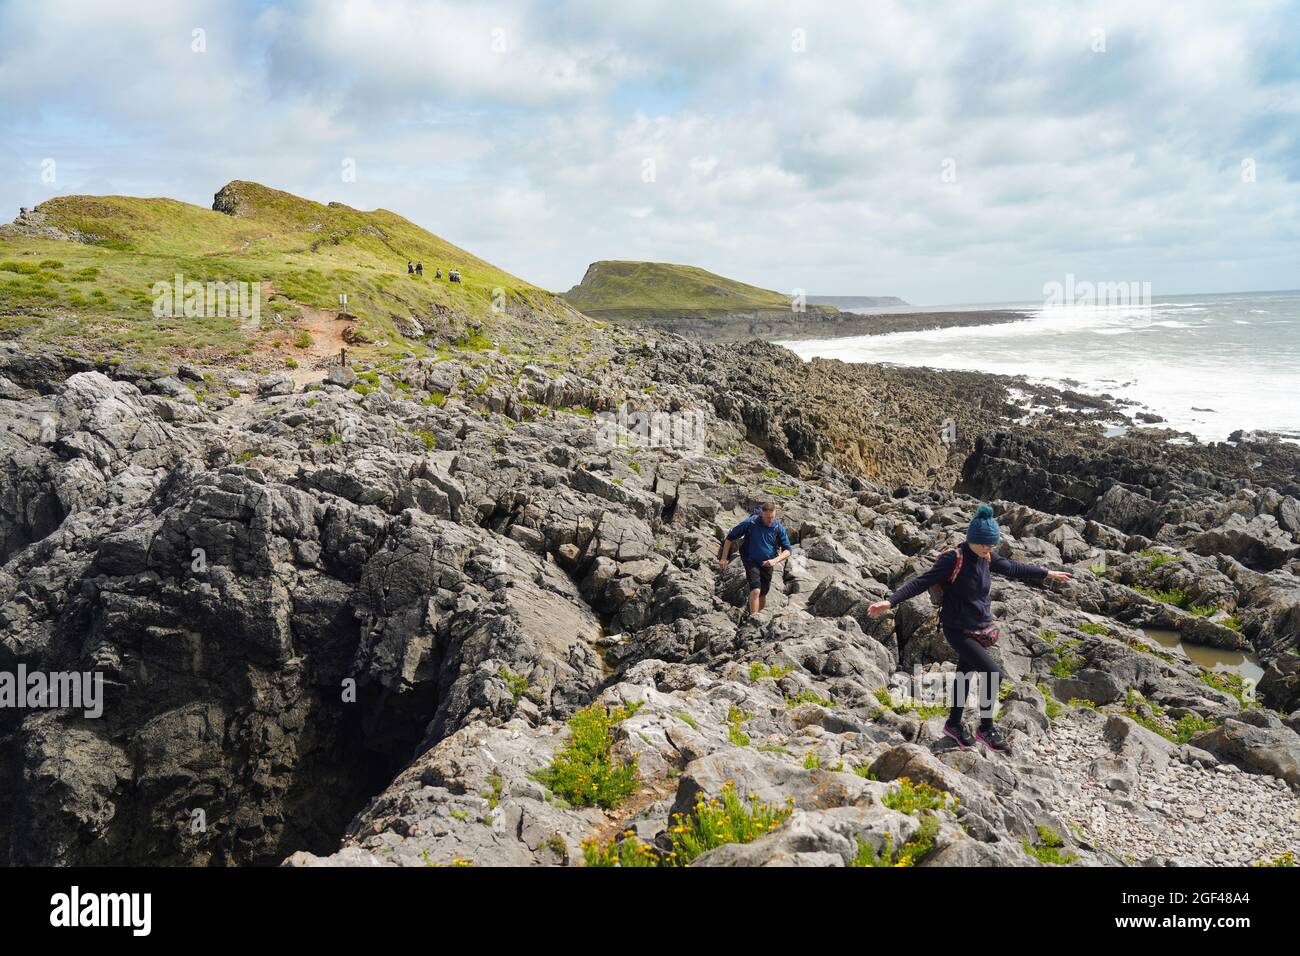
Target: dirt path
{"points": [[326, 331]]}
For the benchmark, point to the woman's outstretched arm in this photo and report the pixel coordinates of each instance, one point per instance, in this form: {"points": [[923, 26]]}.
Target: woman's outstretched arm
{"points": [[939, 573], [1024, 572]]}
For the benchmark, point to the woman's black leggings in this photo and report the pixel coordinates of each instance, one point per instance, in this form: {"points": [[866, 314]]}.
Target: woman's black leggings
{"points": [[973, 659]]}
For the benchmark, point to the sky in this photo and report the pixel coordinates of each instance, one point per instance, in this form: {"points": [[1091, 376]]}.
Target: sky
{"points": [[943, 152]]}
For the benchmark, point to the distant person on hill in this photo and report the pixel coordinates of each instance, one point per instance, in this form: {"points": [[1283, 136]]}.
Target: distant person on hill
{"points": [[410, 268], [966, 614], [437, 272], [765, 546], [453, 275], [419, 268]]}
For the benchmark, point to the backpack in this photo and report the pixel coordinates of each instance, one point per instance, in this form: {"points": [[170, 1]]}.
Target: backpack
{"points": [[937, 590], [740, 542]]}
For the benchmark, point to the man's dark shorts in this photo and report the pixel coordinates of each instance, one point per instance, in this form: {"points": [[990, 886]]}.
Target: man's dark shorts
{"points": [[757, 576]]}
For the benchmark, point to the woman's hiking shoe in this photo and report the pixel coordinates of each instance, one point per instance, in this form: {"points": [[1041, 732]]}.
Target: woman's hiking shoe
{"points": [[959, 735], [993, 739]]}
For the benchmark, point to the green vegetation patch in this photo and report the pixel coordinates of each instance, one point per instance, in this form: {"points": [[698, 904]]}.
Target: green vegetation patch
{"points": [[585, 772], [761, 671], [910, 797], [808, 697], [909, 854], [1047, 849], [735, 718], [922, 711], [517, 683], [712, 823], [1232, 684]]}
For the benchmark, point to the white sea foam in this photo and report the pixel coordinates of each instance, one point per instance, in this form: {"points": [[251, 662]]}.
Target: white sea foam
{"points": [[1246, 371]]}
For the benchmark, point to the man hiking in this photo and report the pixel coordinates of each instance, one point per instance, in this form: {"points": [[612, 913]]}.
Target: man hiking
{"points": [[410, 267], [419, 268], [765, 546], [966, 614]]}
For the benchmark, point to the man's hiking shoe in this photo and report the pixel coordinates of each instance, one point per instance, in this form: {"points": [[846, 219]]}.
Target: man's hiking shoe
{"points": [[959, 735], [993, 739]]}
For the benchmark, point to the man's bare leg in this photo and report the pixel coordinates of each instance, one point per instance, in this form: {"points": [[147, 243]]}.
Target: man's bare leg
{"points": [[755, 601]]}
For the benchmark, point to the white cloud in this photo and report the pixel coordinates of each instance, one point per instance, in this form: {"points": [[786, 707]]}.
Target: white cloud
{"points": [[524, 129]]}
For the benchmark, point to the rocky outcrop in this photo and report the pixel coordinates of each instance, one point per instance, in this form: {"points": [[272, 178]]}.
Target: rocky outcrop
{"points": [[349, 628]]}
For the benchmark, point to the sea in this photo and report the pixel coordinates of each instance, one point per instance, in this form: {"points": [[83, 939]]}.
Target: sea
{"points": [[1208, 364]]}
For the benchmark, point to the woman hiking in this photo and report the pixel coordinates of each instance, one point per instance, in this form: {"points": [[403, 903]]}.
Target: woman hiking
{"points": [[967, 618]]}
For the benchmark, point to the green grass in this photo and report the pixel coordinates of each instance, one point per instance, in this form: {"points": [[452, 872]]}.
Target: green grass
{"points": [[1189, 725], [1089, 627], [1229, 683], [1142, 648], [688, 720], [1052, 705], [1067, 666], [713, 822], [493, 794], [1067, 663], [909, 797], [517, 683], [716, 822], [1047, 849], [1178, 732], [584, 772], [627, 852], [761, 671], [735, 718], [1178, 598], [808, 697], [922, 711], [619, 286], [910, 853]]}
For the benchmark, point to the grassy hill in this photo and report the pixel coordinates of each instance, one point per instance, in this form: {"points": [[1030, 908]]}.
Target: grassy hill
{"points": [[78, 272], [618, 285], [694, 302]]}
